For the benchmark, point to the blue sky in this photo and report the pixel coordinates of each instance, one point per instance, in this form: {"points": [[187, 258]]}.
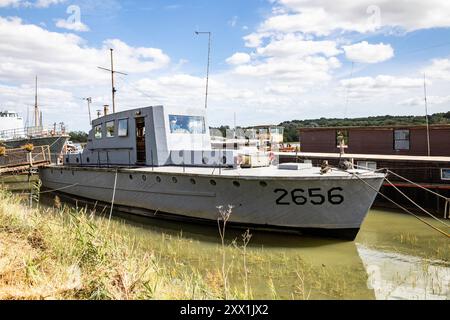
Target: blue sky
{"points": [[271, 61]]}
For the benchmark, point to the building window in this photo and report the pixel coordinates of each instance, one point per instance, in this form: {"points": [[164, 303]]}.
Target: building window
{"points": [[401, 140], [110, 129], [98, 131], [342, 135], [187, 124], [123, 128], [445, 174], [370, 165]]}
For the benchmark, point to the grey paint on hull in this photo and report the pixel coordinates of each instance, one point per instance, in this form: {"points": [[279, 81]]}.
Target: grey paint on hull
{"points": [[254, 204]]}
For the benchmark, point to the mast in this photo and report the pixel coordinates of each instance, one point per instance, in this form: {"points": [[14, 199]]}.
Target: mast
{"points": [[208, 65], [113, 89], [112, 83], [36, 107], [426, 115]]}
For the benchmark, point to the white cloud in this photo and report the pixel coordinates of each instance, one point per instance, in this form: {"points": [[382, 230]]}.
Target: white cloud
{"points": [[322, 17], [371, 87], [419, 101], [9, 3], [364, 52], [67, 69], [439, 69], [295, 45], [64, 58], [76, 26], [239, 58], [47, 3], [233, 22], [25, 3]]}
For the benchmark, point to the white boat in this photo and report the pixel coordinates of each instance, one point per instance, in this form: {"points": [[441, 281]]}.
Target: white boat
{"points": [[157, 161]]}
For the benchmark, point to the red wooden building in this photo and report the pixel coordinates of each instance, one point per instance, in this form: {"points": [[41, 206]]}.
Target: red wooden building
{"points": [[393, 140], [403, 150]]}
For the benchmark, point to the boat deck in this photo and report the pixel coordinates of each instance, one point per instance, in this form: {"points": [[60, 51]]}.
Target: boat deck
{"points": [[266, 172]]}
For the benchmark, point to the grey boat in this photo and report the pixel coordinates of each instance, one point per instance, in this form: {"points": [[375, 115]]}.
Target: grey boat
{"points": [[158, 162]]}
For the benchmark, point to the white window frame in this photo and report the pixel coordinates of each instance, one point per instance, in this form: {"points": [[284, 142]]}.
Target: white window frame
{"points": [[107, 131], [101, 132], [366, 165], [398, 140], [118, 127], [442, 174]]}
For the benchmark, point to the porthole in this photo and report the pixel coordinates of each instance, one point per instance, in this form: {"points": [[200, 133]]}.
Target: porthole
{"points": [[144, 178], [193, 181], [213, 182], [263, 184], [236, 184], [174, 180], [131, 177], [158, 179]]}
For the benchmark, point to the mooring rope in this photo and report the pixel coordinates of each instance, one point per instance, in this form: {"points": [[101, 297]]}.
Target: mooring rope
{"points": [[418, 185], [416, 204], [114, 195], [447, 209], [398, 205]]}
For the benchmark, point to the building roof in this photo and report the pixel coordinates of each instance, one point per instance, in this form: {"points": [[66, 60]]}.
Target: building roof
{"points": [[412, 127], [365, 156]]}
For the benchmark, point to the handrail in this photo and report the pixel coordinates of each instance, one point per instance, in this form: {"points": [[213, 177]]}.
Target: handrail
{"points": [[33, 132]]}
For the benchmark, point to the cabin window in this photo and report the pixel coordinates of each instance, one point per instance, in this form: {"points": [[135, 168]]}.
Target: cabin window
{"points": [[445, 174], [123, 128], [187, 124], [110, 129], [401, 140], [371, 165], [98, 132]]}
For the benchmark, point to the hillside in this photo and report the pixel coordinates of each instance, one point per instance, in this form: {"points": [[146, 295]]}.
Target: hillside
{"points": [[291, 127]]}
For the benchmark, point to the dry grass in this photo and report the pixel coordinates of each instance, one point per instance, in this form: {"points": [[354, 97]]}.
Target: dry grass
{"points": [[64, 254]]}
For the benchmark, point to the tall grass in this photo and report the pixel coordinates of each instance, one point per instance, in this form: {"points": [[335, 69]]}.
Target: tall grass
{"points": [[71, 253]]}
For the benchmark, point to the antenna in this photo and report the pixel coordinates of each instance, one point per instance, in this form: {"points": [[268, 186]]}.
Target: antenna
{"points": [[36, 108], [209, 62], [89, 101], [426, 114], [112, 79], [348, 91]]}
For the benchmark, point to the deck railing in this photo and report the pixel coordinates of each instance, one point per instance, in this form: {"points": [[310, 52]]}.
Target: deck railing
{"points": [[20, 157], [32, 132]]}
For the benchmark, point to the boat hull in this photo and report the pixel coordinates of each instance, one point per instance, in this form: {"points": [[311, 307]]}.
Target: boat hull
{"points": [[330, 207]]}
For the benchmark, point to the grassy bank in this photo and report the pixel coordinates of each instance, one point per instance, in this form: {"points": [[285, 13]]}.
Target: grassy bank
{"points": [[68, 254], [64, 253]]}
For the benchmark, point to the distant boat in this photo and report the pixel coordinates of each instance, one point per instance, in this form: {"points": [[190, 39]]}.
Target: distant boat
{"points": [[14, 135]]}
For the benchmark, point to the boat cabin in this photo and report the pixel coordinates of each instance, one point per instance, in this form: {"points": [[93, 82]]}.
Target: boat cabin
{"points": [[11, 125], [151, 136]]}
